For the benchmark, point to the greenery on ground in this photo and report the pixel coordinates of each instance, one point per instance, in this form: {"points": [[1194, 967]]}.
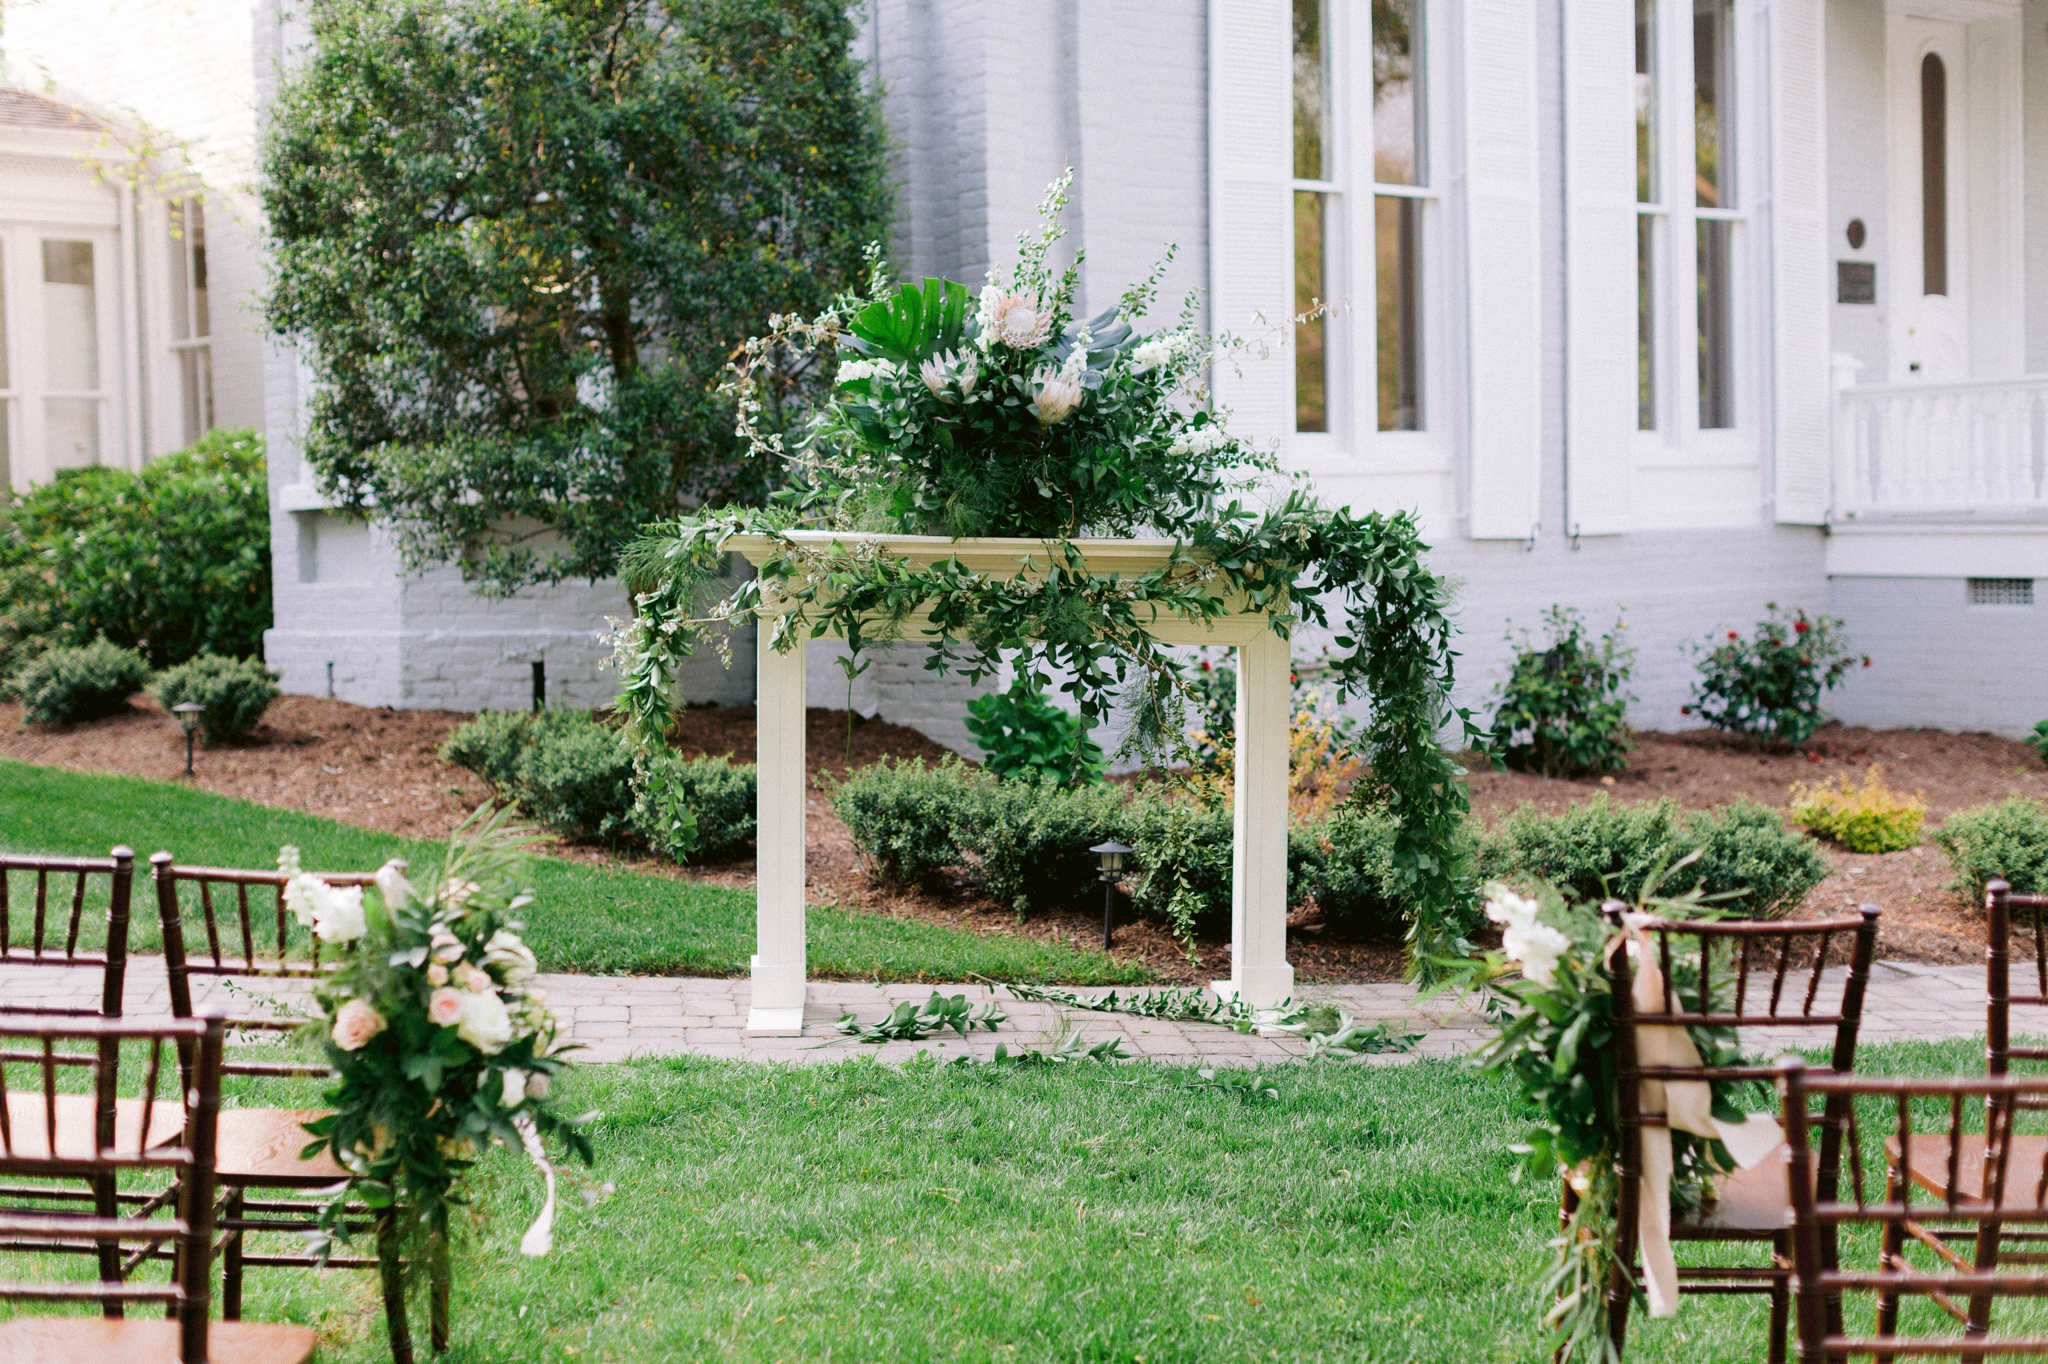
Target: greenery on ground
{"points": [[914, 1214], [585, 918], [2008, 840], [70, 683], [1601, 849], [1870, 818], [517, 240], [234, 691], [1562, 711], [173, 561]]}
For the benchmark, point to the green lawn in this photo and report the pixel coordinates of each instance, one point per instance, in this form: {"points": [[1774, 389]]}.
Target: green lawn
{"points": [[584, 919], [856, 1212]]}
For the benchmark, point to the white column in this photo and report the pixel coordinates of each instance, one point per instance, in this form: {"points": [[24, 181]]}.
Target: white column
{"points": [[1259, 972], [777, 1008]]}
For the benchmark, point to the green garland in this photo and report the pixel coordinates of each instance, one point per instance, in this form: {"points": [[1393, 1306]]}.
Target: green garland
{"points": [[1022, 421]]}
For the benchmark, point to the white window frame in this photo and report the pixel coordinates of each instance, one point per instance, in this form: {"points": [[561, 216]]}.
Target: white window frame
{"points": [[21, 246], [198, 342], [1679, 441]]}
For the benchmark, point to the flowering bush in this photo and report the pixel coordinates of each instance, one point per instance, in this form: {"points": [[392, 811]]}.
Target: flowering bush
{"points": [[440, 1043], [1011, 416], [1769, 686], [1871, 818], [1563, 710]]}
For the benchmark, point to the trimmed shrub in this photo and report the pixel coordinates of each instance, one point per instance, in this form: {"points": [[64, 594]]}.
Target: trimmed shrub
{"points": [[1601, 849], [235, 692], [1345, 862], [577, 778], [2008, 840], [492, 744], [1024, 734], [1028, 839], [902, 815], [1769, 687], [1563, 710], [66, 685], [702, 807], [1183, 862], [173, 562], [1871, 818]]}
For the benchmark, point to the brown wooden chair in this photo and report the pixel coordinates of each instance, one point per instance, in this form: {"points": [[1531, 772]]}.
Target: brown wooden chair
{"points": [[1987, 1182], [1771, 974], [38, 1139], [31, 921], [259, 1147]]}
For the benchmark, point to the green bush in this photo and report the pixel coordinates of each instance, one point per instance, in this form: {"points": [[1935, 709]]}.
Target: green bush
{"points": [[172, 562], [1563, 710], [1346, 862], [1769, 687], [65, 685], [902, 815], [701, 807], [235, 692], [1024, 734], [577, 778], [2008, 840], [1871, 818], [1601, 849], [1027, 841], [492, 744]]}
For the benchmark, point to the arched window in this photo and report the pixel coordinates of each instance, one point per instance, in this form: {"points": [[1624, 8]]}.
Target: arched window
{"points": [[1933, 175]]}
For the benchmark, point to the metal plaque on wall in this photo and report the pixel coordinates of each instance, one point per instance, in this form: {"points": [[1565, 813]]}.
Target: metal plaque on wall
{"points": [[1855, 281]]}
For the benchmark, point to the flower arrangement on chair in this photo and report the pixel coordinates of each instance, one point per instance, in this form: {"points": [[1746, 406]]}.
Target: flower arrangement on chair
{"points": [[440, 1044]]}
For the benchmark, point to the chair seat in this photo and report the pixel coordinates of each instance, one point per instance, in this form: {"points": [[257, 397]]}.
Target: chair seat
{"points": [[28, 1127], [1929, 1167], [261, 1146], [95, 1340], [1753, 1205]]}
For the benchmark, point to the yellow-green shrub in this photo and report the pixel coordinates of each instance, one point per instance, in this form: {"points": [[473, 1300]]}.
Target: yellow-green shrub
{"points": [[1871, 818]]}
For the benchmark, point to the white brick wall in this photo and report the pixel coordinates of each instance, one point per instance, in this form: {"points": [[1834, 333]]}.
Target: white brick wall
{"points": [[1937, 660]]}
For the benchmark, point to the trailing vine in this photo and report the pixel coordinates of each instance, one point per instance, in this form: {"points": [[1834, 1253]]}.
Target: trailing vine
{"points": [[1017, 419]]}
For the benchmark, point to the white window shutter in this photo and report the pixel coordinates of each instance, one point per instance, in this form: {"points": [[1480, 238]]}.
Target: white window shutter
{"points": [[1503, 268], [1251, 211], [1802, 388], [1600, 265]]}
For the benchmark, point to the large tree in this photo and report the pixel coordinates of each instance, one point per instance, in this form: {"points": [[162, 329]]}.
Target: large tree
{"points": [[517, 241]]}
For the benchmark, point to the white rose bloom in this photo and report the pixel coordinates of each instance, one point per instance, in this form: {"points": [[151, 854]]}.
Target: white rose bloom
{"points": [[338, 912], [1058, 395], [485, 1024], [1537, 947], [1505, 907], [513, 958], [514, 1092], [1150, 356]]}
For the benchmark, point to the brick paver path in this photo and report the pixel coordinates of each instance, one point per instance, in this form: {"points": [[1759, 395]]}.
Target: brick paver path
{"points": [[616, 1017]]}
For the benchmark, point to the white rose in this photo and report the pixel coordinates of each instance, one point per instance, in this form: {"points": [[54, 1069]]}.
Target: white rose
{"points": [[338, 913], [513, 1092], [1537, 947], [1149, 356], [485, 1024], [513, 958]]}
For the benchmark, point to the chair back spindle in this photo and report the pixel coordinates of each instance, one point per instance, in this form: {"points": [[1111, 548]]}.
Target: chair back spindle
{"points": [[60, 895]]}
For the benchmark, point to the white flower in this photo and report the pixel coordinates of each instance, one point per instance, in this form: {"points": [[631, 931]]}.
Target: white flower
{"points": [[392, 885], [514, 1092], [1012, 320], [337, 910], [1535, 946], [437, 974], [444, 1007], [1150, 355], [454, 897], [485, 1024], [853, 371], [513, 958], [1058, 395], [1508, 909], [943, 371], [1201, 440]]}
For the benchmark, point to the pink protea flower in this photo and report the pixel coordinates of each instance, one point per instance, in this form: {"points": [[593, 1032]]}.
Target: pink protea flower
{"points": [[1058, 396], [1013, 320]]}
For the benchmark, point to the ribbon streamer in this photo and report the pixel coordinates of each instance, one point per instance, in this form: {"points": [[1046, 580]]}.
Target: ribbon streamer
{"points": [[540, 1237]]}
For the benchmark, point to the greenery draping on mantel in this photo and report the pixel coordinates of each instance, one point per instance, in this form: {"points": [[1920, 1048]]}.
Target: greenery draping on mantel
{"points": [[1018, 419]]}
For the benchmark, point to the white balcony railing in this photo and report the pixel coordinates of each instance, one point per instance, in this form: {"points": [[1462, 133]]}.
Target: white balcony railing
{"points": [[1977, 448]]}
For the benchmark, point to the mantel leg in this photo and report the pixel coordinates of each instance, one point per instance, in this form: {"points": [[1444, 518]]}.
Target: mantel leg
{"points": [[777, 1009], [1259, 971]]}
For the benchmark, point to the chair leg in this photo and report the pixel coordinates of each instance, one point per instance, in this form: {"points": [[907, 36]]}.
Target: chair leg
{"points": [[1620, 1294], [1892, 1248], [231, 1259], [437, 1294], [104, 1204], [391, 1273], [1781, 1297]]}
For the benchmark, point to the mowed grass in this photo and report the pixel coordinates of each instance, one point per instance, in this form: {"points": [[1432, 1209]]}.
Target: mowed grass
{"points": [[587, 919], [861, 1212]]}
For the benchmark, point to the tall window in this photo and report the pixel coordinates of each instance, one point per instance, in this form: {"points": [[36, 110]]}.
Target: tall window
{"points": [[71, 354], [1686, 243], [191, 317], [1933, 175], [1399, 172], [6, 390], [1314, 188]]}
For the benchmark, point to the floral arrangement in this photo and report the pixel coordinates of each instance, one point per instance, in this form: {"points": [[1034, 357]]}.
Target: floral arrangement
{"points": [[1552, 988], [1006, 414], [440, 1044]]}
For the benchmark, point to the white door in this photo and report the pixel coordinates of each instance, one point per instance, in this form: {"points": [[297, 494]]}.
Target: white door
{"points": [[1929, 303]]}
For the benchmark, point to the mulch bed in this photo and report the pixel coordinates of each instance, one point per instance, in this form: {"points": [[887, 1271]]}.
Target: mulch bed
{"points": [[378, 768]]}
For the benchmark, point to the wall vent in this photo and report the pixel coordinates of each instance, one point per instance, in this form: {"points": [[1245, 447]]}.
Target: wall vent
{"points": [[2001, 591]]}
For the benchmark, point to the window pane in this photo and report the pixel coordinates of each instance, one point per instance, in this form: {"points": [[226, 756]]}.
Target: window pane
{"points": [[1311, 91], [1311, 351], [5, 381], [195, 365], [1646, 101], [1397, 125], [72, 432], [70, 321], [1646, 323], [1717, 379], [1713, 103], [202, 322], [1933, 176], [1399, 245]]}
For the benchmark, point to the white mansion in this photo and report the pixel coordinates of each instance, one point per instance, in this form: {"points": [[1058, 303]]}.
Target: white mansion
{"points": [[1670, 308]]}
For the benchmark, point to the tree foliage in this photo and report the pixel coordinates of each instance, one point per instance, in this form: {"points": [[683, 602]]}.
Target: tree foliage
{"points": [[516, 240]]}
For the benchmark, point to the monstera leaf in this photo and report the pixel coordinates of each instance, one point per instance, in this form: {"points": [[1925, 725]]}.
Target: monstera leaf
{"points": [[916, 324]]}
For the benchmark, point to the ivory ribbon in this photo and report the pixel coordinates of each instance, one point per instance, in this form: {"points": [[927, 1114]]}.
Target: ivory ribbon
{"points": [[540, 1237], [1687, 1106]]}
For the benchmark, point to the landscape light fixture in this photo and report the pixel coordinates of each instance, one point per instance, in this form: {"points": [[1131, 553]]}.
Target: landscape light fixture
{"points": [[1112, 855], [188, 713]]}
